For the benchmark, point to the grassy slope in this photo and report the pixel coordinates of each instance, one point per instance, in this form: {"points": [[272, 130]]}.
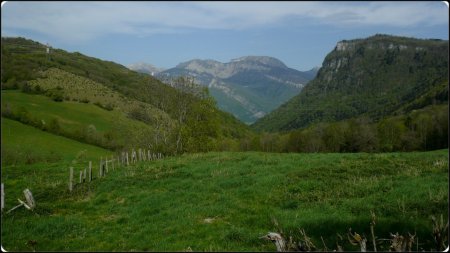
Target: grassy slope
{"points": [[71, 115], [79, 88], [162, 205], [50, 155], [20, 141]]}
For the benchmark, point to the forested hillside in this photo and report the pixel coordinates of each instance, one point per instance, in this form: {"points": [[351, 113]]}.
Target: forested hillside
{"points": [[374, 77]]}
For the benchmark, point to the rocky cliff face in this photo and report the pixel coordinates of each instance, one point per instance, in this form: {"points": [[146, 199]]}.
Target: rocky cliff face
{"points": [[248, 87], [372, 77]]}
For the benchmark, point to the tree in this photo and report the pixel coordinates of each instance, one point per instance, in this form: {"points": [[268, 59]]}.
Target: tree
{"points": [[390, 132]]}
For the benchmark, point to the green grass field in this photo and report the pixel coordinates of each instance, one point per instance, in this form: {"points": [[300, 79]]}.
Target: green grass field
{"points": [[71, 115], [225, 201], [22, 144]]}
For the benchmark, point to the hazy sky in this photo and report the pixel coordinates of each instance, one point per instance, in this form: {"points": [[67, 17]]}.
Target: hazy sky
{"points": [[166, 33]]}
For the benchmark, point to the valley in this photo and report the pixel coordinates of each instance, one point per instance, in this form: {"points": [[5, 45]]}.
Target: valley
{"points": [[247, 87], [247, 147]]}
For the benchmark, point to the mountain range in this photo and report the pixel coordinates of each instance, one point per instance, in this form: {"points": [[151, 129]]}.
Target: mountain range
{"points": [[248, 87]]}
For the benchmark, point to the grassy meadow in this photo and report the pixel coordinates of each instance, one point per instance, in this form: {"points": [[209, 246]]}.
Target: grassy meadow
{"points": [[71, 115], [225, 201]]}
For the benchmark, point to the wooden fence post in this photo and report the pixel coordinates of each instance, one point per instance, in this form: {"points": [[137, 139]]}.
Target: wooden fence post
{"points": [[148, 155], [90, 171], [140, 155], [3, 196], [112, 162], [127, 160], [106, 165], [81, 176], [71, 179], [84, 175], [100, 171], [29, 198]]}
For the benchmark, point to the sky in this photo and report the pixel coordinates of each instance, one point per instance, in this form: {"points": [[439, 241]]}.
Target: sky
{"points": [[165, 34]]}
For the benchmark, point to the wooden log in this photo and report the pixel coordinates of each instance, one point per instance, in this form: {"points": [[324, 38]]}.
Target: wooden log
{"points": [[3, 196], [14, 208], [71, 179], [29, 198], [90, 171]]}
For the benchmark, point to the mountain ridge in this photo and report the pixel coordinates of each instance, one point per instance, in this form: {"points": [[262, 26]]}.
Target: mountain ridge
{"points": [[373, 76], [247, 86], [146, 68]]}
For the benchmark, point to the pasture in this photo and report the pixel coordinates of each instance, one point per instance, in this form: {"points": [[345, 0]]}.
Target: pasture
{"points": [[226, 201]]}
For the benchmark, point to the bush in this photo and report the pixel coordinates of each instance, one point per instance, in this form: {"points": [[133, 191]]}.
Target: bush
{"points": [[54, 126], [55, 94], [107, 107]]}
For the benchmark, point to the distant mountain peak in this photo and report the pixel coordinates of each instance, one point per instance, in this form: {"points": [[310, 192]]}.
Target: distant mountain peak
{"points": [[266, 60], [205, 62], [143, 67], [248, 86]]}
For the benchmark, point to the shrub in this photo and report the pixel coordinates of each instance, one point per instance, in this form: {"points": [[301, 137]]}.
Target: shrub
{"points": [[54, 126], [107, 107]]}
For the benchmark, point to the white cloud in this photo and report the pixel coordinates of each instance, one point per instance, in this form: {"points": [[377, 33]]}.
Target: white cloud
{"points": [[82, 21]]}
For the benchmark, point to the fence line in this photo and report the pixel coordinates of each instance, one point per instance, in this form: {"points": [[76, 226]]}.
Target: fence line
{"points": [[122, 161]]}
